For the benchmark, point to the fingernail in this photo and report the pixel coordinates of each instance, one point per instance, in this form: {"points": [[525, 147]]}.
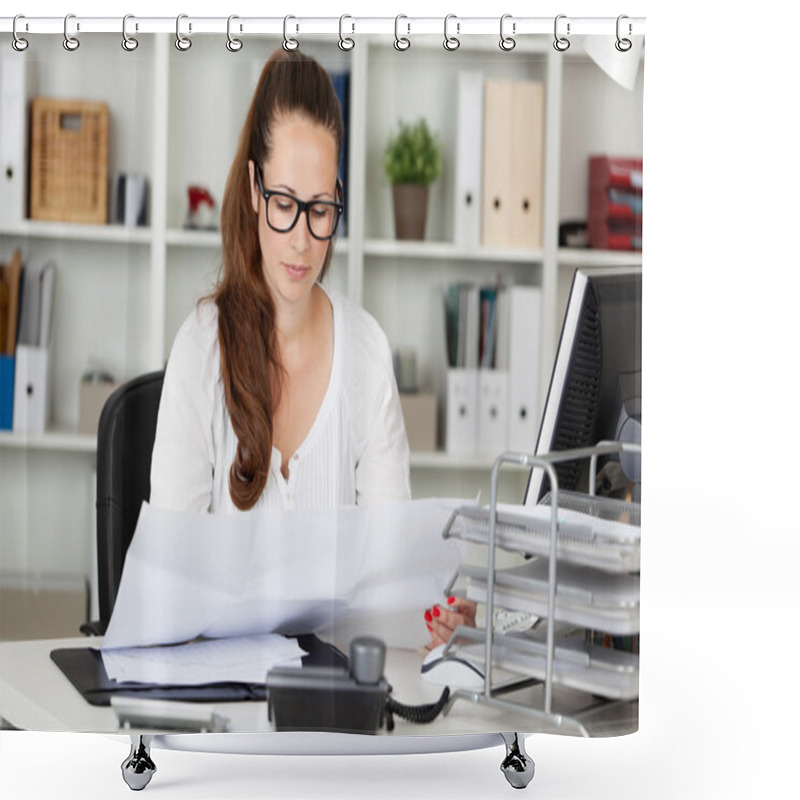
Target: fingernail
{"points": [[451, 600], [436, 612], [428, 616], [430, 627]]}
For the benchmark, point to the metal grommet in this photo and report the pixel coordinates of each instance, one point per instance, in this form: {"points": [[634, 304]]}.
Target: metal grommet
{"points": [[561, 43], [346, 42], [451, 43], [129, 43], [70, 42], [623, 45], [507, 43], [400, 42], [182, 42], [18, 43], [289, 44], [233, 44]]}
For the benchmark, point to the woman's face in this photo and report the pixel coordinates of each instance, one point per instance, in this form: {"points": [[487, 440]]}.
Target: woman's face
{"points": [[303, 163]]}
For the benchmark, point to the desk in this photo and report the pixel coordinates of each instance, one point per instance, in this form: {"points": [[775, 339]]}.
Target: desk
{"points": [[35, 695]]}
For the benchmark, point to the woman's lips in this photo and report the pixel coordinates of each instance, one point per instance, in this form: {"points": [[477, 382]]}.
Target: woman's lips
{"points": [[296, 271]]}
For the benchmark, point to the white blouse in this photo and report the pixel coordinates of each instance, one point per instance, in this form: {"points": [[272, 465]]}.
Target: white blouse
{"points": [[356, 451]]}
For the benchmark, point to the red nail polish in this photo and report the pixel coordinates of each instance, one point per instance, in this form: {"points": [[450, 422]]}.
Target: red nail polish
{"points": [[430, 628], [436, 612], [428, 616], [451, 600]]}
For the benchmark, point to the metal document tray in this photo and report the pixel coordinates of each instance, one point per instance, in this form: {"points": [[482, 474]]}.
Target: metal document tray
{"points": [[593, 532], [613, 674], [585, 597]]}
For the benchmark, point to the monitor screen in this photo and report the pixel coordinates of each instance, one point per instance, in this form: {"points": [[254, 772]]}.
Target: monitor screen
{"points": [[595, 388]]}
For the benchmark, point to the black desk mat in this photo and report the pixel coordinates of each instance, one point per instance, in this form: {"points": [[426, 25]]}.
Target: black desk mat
{"points": [[83, 666]]}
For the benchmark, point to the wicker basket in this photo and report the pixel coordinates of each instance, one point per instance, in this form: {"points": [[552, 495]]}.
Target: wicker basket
{"points": [[69, 161]]}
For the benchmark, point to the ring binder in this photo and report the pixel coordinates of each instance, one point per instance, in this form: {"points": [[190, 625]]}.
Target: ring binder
{"points": [[233, 44], [18, 43], [129, 43], [182, 42], [70, 42]]}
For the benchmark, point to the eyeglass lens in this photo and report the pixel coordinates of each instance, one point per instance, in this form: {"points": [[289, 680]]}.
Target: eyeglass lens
{"points": [[283, 211]]}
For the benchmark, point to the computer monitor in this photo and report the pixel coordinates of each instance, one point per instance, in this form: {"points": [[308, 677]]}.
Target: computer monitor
{"points": [[596, 385]]}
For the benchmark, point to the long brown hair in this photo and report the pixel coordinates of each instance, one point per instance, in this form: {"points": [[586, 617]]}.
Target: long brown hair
{"points": [[290, 83]]}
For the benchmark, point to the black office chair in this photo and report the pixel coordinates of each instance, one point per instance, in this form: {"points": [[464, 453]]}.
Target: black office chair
{"points": [[125, 437]]}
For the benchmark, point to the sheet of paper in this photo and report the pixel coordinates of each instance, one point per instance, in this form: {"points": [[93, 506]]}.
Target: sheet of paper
{"points": [[243, 658], [355, 569]]}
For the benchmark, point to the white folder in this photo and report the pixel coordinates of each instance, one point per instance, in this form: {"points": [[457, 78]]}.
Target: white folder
{"points": [[31, 397], [461, 423], [12, 138], [492, 411], [524, 337], [469, 159]]}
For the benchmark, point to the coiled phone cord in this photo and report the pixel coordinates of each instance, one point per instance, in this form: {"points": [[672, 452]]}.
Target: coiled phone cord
{"points": [[418, 714]]}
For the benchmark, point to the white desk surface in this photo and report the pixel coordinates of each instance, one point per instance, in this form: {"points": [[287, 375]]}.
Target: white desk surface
{"points": [[36, 695]]}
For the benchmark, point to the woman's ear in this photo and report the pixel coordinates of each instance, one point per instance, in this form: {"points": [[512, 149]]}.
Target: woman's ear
{"points": [[254, 193]]}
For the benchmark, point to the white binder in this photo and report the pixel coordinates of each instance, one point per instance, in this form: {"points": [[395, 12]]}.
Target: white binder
{"points": [[12, 138], [31, 396], [492, 411], [462, 411], [469, 159], [524, 305]]}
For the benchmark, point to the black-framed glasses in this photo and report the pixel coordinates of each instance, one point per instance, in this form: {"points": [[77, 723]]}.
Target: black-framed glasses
{"points": [[283, 210]]}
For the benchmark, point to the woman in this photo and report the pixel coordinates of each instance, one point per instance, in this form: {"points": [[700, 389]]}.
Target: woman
{"points": [[278, 392]]}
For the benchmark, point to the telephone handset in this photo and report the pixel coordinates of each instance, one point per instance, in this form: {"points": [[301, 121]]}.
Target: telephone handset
{"points": [[352, 700]]}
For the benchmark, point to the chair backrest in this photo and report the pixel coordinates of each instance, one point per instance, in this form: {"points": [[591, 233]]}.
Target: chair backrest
{"points": [[125, 435]]}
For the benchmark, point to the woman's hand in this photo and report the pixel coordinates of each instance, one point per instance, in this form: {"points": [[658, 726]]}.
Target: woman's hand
{"points": [[442, 620]]}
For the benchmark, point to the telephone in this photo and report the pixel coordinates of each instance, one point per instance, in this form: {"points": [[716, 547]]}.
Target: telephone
{"points": [[355, 699]]}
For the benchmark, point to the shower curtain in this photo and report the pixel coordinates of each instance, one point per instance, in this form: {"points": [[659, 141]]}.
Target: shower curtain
{"points": [[536, 171]]}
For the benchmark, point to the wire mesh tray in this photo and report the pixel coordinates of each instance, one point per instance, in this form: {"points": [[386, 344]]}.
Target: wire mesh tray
{"points": [[613, 674], [585, 597], [595, 532]]}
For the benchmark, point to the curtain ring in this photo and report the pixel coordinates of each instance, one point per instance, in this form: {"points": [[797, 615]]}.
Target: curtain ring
{"points": [[507, 43], [182, 42], [18, 43], [623, 45], [129, 43], [346, 42], [561, 43], [451, 43], [400, 42], [289, 44], [233, 44], [70, 42]]}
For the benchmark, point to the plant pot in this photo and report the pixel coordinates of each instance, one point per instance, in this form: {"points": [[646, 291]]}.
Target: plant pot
{"points": [[410, 210]]}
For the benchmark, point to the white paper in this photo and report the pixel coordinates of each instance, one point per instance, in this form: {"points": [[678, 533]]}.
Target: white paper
{"points": [[357, 569], [245, 659]]}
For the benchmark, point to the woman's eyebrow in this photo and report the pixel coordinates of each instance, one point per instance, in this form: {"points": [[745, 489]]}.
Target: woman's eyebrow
{"points": [[282, 187]]}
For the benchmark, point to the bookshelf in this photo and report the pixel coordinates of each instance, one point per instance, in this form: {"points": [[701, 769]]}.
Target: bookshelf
{"points": [[176, 117]]}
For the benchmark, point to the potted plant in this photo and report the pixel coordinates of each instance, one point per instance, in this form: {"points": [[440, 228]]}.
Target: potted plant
{"points": [[412, 160]]}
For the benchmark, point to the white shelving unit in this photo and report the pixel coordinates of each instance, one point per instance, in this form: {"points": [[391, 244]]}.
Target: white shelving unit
{"points": [[122, 293]]}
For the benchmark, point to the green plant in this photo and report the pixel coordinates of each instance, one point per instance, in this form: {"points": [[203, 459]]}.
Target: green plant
{"points": [[413, 155]]}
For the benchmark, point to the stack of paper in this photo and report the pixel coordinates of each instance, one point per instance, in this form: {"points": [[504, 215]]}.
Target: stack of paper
{"points": [[244, 659]]}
